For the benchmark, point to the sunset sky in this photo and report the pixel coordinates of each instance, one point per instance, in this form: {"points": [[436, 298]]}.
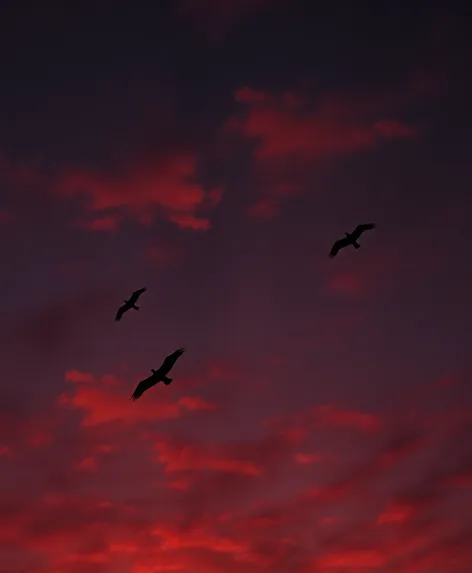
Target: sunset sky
{"points": [[212, 151]]}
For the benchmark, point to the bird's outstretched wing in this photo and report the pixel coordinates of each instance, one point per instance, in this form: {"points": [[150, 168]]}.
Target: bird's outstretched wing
{"points": [[338, 245], [121, 311], [171, 360], [361, 228], [134, 297], [144, 385]]}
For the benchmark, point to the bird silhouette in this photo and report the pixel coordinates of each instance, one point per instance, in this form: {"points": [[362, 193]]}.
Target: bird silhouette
{"points": [[159, 375], [350, 239], [131, 303]]}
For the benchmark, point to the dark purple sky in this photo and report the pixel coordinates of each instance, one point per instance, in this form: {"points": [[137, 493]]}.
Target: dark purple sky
{"points": [[213, 151]]}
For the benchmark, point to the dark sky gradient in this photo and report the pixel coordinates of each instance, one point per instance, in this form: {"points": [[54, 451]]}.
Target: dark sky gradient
{"points": [[321, 419]]}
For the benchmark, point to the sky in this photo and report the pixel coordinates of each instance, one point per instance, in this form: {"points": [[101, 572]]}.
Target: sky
{"points": [[213, 151]]}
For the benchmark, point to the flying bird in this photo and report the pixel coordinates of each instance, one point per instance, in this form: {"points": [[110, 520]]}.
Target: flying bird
{"points": [[350, 239], [131, 303], [159, 375]]}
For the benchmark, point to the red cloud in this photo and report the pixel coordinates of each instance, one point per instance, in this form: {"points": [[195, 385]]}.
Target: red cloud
{"points": [[103, 223], [103, 404], [287, 127], [79, 377], [17, 172], [181, 457], [77, 534], [195, 403], [52, 326], [400, 447], [332, 416], [395, 513], [168, 184], [265, 209], [394, 129], [161, 253], [191, 222], [354, 559], [197, 538], [216, 17], [244, 458], [5, 451], [307, 459], [452, 380], [196, 511], [251, 96], [305, 422], [5, 216], [383, 269], [459, 480], [87, 464], [39, 438], [349, 283]]}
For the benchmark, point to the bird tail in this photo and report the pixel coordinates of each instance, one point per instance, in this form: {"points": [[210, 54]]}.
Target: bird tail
{"points": [[167, 380], [356, 245]]}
